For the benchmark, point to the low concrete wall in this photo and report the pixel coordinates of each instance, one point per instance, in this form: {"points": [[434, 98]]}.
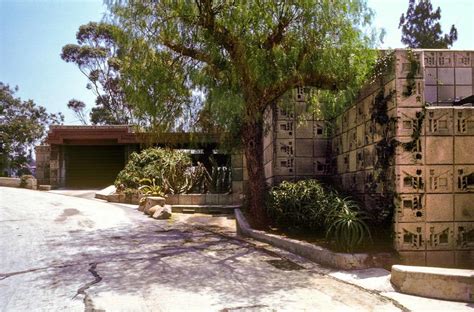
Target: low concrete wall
{"points": [[31, 183], [440, 283], [200, 199], [313, 252]]}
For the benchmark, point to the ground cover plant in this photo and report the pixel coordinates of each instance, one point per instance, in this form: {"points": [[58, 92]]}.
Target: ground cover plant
{"points": [[308, 206]]}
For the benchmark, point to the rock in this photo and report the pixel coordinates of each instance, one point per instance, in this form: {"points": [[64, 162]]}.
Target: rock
{"points": [[44, 187], [152, 210], [162, 212], [153, 201]]}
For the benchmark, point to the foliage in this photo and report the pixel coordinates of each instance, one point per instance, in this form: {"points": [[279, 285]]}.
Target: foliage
{"points": [[22, 125], [96, 55], [24, 180], [243, 55], [346, 226], [421, 28], [414, 68], [78, 107], [149, 187], [311, 206]]}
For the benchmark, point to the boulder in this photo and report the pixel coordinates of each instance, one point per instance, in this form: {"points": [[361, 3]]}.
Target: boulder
{"points": [[162, 212], [150, 211], [153, 201]]}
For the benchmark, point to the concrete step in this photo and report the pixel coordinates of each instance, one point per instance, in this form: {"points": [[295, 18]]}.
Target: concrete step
{"points": [[211, 209]]}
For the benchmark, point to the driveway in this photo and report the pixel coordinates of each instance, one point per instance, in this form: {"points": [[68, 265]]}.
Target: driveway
{"points": [[66, 253]]}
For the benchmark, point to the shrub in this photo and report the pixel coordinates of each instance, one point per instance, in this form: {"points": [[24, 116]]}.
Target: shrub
{"points": [[312, 206], [168, 168]]}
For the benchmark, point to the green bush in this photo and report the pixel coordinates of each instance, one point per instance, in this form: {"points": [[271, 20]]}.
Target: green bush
{"points": [[167, 168], [311, 206]]}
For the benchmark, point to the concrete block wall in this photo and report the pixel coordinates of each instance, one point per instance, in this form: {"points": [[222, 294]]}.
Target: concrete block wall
{"points": [[295, 142], [432, 183], [42, 164]]}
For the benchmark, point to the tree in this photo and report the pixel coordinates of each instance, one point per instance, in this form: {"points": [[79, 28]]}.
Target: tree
{"points": [[421, 28], [96, 56], [22, 125], [78, 108], [244, 55]]}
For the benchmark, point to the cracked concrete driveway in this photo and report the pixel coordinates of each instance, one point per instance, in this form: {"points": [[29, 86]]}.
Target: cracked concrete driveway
{"points": [[74, 254]]}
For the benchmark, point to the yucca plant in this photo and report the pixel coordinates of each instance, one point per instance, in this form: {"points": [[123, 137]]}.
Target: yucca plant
{"points": [[346, 226], [149, 187]]}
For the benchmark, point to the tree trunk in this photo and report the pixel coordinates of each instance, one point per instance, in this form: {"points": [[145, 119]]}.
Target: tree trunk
{"points": [[253, 149]]}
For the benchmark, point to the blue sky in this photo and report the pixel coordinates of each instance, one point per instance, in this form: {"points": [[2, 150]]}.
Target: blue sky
{"points": [[32, 33]]}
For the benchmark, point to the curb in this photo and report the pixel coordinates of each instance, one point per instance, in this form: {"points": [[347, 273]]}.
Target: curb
{"points": [[451, 284], [344, 261]]}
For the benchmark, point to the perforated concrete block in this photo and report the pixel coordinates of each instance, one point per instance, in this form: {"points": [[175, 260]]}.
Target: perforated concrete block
{"points": [[430, 59], [464, 149], [345, 142], [352, 113], [442, 258], [445, 59], [320, 147], [304, 166], [408, 121], [439, 207], [464, 178], [410, 94], [284, 147], [369, 132], [463, 59], [464, 120], [304, 129], [352, 138], [410, 208], [360, 133], [361, 116], [360, 159], [409, 179], [412, 257], [320, 166], [439, 178], [345, 121], [464, 232], [415, 156], [285, 129], [439, 236], [431, 76], [341, 166], [410, 236], [403, 62], [439, 150], [463, 76], [284, 166], [464, 207], [304, 147], [439, 121], [285, 111], [320, 129]]}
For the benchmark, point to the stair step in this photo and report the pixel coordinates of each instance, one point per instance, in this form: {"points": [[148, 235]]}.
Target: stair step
{"points": [[211, 209]]}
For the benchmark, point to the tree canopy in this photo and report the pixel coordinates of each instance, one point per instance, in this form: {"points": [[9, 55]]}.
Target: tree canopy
{"points": [[96, 55], [244, 55], [421, 28], [22, 125]]}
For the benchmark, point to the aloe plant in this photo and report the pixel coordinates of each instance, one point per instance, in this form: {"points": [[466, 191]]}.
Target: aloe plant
{"points": [[149, 187]]}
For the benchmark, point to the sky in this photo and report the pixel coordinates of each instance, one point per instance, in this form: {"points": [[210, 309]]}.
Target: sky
{"points": [[32, 33]]}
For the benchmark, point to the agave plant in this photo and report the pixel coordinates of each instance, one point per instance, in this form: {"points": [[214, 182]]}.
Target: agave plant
{"points": [[346, 226], [149, 187]]}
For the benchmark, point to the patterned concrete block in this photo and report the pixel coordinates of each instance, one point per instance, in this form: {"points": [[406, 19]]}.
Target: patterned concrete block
{"points": [[464, 121], [410, 236], [439, 236], [408, 121], [410, 157], [445, 59], [410, 208], [284, 147], [439, 121], [408, 94], [409, 179], [285, 129], [464, 178], [464, 232], [284, 166], [463, 59], [439, 179]]}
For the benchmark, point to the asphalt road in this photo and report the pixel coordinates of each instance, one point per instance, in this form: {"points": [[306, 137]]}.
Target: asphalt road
{"points": [[61, 253]]}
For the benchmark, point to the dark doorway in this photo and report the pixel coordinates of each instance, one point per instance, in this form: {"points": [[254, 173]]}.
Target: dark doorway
{"points": [[93, 166]]}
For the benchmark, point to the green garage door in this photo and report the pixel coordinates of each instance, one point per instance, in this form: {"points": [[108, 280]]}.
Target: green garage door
{"points": [[93, 166]]}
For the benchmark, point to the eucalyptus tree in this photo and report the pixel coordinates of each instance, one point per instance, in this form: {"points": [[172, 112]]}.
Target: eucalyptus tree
{"points": [[96, 56], [244, 55]]}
